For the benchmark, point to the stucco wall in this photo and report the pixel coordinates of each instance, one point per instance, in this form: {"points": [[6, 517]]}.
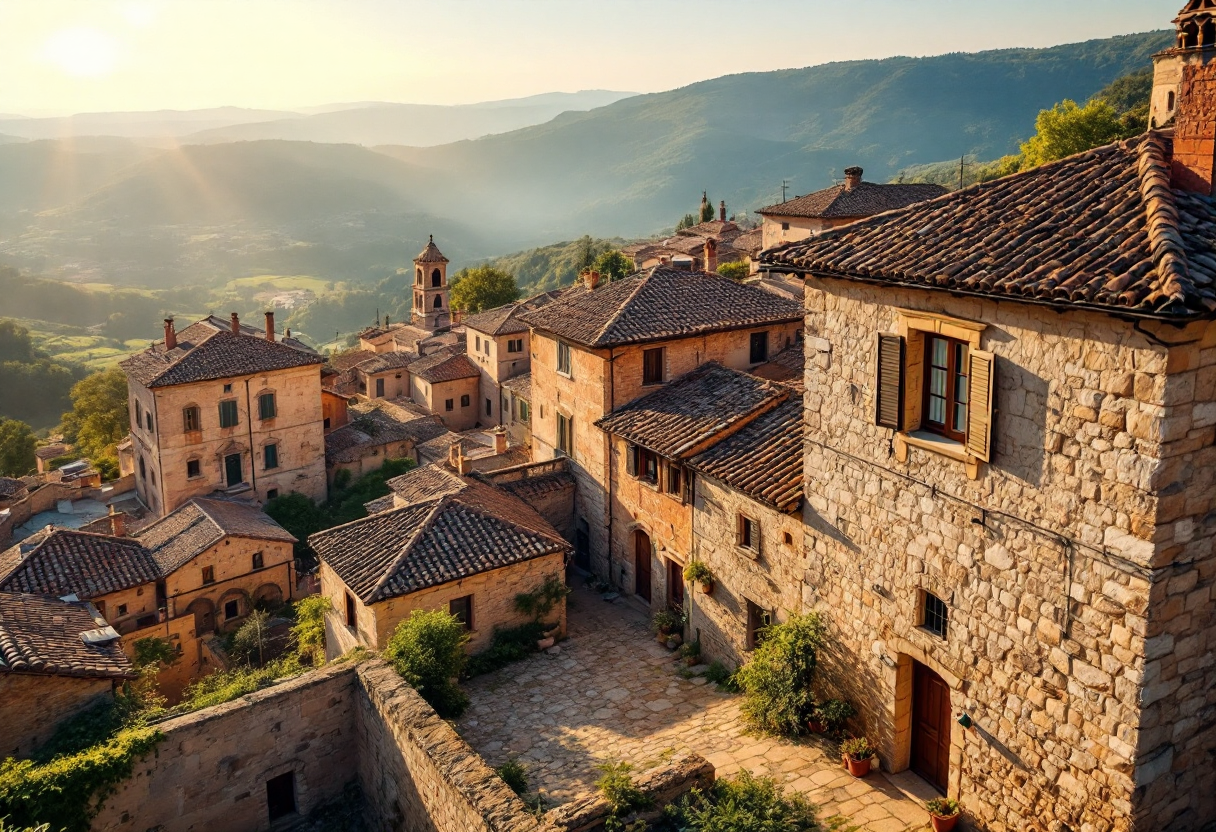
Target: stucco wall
{"points": [[434, 397], [33, 704]]}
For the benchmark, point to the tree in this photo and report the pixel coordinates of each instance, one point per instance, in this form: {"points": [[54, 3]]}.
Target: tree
{"points": [[736, 270], [483, 287], [707, 211], [777, 681], [612, 265], [17, 445], [251, 642], [98, 419], [586, 254], [427, 649], [309, 630], [687, 221], [1066, 129]]}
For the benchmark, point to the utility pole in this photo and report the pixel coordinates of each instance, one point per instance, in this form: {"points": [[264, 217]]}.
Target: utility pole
{"points": [[962, 163], [784, 185]]}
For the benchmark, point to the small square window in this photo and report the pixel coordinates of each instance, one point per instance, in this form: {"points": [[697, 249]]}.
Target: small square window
{"points": [[785, 226], [122, 610], [271, 493], [515, 345], [787, 538], [227, 388], [936, 615], [465, 401], [208, 574], [652, 366], [194, 468], [449, 405], [257, 560], [232, 609], [462, 610]]}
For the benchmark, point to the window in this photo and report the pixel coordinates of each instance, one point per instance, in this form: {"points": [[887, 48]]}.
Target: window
{"points": [[281, 795], [257, 560], [462, 610], [194, 468], [747, 532], [350, 610], [438, 301], [563, 358], [449, 405], [232, 609], [515, 345], [325, 424], [759, 347], [486, 346], [271, 493], [436, 277], [758, 619], [1169, 101], [145, 621], [652, 366], [525, 413], [787, 538], [785, 226], [148, 420], [228, 415], [935, 616], [227, 388], [234, 471], [270, 456], [945, 405], [465, 401], [139, 415], [143, 469], [477, 342], [565, 435], [208, 574], [380, 388], [266, 406], [642, 464], [675, 477], [122, 610], [192, 419]]}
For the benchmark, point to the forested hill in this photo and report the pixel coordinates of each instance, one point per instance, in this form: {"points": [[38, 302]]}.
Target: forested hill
{"points": [[633, 166]]}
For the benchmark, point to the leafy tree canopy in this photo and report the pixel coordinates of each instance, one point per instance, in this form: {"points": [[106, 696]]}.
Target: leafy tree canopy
{"points": [[686, 221], [612, 265], [1067, 128], [736, 270], [98, 419], [427, 649], [707, 211], [17, 445], [483, 287]]}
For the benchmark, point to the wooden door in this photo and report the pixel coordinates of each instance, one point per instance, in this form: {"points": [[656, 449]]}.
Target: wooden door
{"points": [[675, 585], [232, 470], [930, 727], [641, 565]]}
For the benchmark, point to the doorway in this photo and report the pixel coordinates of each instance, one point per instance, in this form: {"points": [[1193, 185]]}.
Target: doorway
{"points": [[930, 727], [204, 616], [232, 470], [641, 565], [281, 795], [675, 585]]}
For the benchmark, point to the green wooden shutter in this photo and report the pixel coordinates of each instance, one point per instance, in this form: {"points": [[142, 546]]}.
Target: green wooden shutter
{"points": [[980, 385], [889, 401]]}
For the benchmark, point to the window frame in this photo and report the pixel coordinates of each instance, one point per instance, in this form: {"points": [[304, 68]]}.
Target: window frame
{"points": [[208, 575], [653, 366], [747, 532], [270, 449], [466, 400], [754, 342], [564, 441], [758, 618], [197, 465], [934, 615], [565, 360], [258, 560], [192, 414], [380, 387], [464, 616], [515, 345], [352, 612], [957, 353], [236, 413], [263, 398], [449, 405]]}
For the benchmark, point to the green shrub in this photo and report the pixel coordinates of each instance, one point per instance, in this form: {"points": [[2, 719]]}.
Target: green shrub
{"points": [[251, 642], [506, 646], [667, 621], [943, 807], [308, 632], [514, 775], [226, 685], [743, 803], [427, 649], [777, 681], [540, 602], [834, 713], [721, 675], [735, 270], [620, 791], [857, 748], [697, 572]]}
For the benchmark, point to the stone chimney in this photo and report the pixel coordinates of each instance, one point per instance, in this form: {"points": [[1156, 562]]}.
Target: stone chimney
{"points": [[852, 178], [711, 254], [170, 335], [270, 325], [722, 211], [591, 278], [1184, 91], [118, 523], [500, 441], [236, 324], [456, 458], [386, 321]]}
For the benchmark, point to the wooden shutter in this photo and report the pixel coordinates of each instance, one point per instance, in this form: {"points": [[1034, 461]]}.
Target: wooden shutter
{"points": [[755, 533], [889, 404], [688, 493], [980, 383], [631, 460]]}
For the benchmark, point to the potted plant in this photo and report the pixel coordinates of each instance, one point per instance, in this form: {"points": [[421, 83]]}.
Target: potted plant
{"points": [[943, 813], [829, 717], [674, 640], [857, 753], [698, 572], [691, 653], [539, 603], [664, 623]]}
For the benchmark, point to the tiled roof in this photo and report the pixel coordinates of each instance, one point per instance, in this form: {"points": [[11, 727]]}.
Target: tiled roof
{"points": [[374, 425], [187, 532], [351, 358], [42, 634], [204, 353], [502, 320], [464, 528], [10, 487], [679, 418], [387, 361], [763, 459], [863, 200], [431, 254], [787, 367], [749, 242], [534, 488], [444, 367], [521, 386], [64, 561], [712, 228], [657, 304], [426, 482], [1101, 229], [51, 451]]}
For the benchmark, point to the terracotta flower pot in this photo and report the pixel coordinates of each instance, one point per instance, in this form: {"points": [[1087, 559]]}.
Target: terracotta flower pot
{"points": [[816, 727], [661, 638], [858, 768], [942, 824], [544, 643], [707, 587]]}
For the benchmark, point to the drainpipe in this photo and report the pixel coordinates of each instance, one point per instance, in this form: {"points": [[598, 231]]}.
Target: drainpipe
{"points": [[253, 475], [160, 486], [608, 457]]}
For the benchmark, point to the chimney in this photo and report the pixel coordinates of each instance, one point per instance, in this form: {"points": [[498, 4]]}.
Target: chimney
{"points": [[722, 211], [170, 335], [852, 178], [270, 325], [591, 278], [500, 441], [118, 523], [236, 324], [386, 321], [711, 255], [287, 334], [1184, 90]]}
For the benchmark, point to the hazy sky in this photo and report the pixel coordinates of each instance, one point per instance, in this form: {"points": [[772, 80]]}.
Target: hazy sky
{"points": [[89, 55]]}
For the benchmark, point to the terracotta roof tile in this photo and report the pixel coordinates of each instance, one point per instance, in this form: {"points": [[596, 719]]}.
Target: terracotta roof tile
{"points": [[187, 532], [444, 366], [64, 561], [10, 487], [787, 367], [431, 254], [657, 304], [204, 353], [51, 451], [381, 362], [502, 320], [378, 423], [1101, 229], [864, 200], [520, 385], [763, 459], [42, 634]]}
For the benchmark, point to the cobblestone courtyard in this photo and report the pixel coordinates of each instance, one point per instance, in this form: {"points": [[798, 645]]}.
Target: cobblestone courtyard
{"points": [[612, 692]]}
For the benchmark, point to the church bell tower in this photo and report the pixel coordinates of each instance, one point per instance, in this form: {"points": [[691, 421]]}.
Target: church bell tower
{"points": [[431, 311]]}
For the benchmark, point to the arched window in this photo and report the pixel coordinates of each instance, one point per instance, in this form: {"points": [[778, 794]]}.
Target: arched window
{"points": [[438, 301], [191, 418], [418, 276], [436, 278]]}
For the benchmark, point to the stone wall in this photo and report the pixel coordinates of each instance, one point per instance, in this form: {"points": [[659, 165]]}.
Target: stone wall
{"points": [[35, 703], [38, 501], [555, 502], [1049, 560]]}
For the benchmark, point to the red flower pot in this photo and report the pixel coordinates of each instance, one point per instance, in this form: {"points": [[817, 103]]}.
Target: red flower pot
{"points": [[858, 768], [816, 727], [943, 824]]}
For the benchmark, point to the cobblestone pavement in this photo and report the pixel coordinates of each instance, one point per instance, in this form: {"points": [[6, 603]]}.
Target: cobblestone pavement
{"points": [[613, 693]]}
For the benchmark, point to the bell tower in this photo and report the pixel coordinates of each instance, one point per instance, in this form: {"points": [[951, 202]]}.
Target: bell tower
{"points": [[1195, 46], [1184, 97], [431, 310]]}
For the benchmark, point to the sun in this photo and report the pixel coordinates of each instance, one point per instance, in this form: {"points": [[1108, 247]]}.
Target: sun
{"points": [[81, 52]]}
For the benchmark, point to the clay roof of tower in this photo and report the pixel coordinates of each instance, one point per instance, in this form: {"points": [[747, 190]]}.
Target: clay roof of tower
{"points": [[187, 532], [61, 562], [1099, 230], [659, 304], [679, 418], [205, 352], [863, 200], [42, 634], [453, 527], [763, 459], [431, 254]]}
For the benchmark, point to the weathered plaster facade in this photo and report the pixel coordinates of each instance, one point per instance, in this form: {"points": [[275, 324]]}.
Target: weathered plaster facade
{"points": [[34, 704], [454, 402], [499, 357]]}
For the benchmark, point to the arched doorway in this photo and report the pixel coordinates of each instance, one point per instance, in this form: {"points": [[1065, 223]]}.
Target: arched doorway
{"points": [[930, 727], [204, 616], [268, 597], [641, 565]]}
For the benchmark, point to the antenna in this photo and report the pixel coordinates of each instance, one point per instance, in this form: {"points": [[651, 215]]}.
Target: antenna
{"points": [[962, 164], [784, 185]]}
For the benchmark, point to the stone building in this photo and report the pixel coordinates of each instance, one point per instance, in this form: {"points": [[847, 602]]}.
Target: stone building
{"points": [[1010, 409], [447, 384], [448, 542], [57, 658], [379, 430], [517, 409], [222, 407], [700, 247], [851, 200], [500, 344], [650, 489], [196, 572], [596, 349]]}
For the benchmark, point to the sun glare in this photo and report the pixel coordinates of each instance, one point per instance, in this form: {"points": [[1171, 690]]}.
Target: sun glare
{"points": [[81, 52]]}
